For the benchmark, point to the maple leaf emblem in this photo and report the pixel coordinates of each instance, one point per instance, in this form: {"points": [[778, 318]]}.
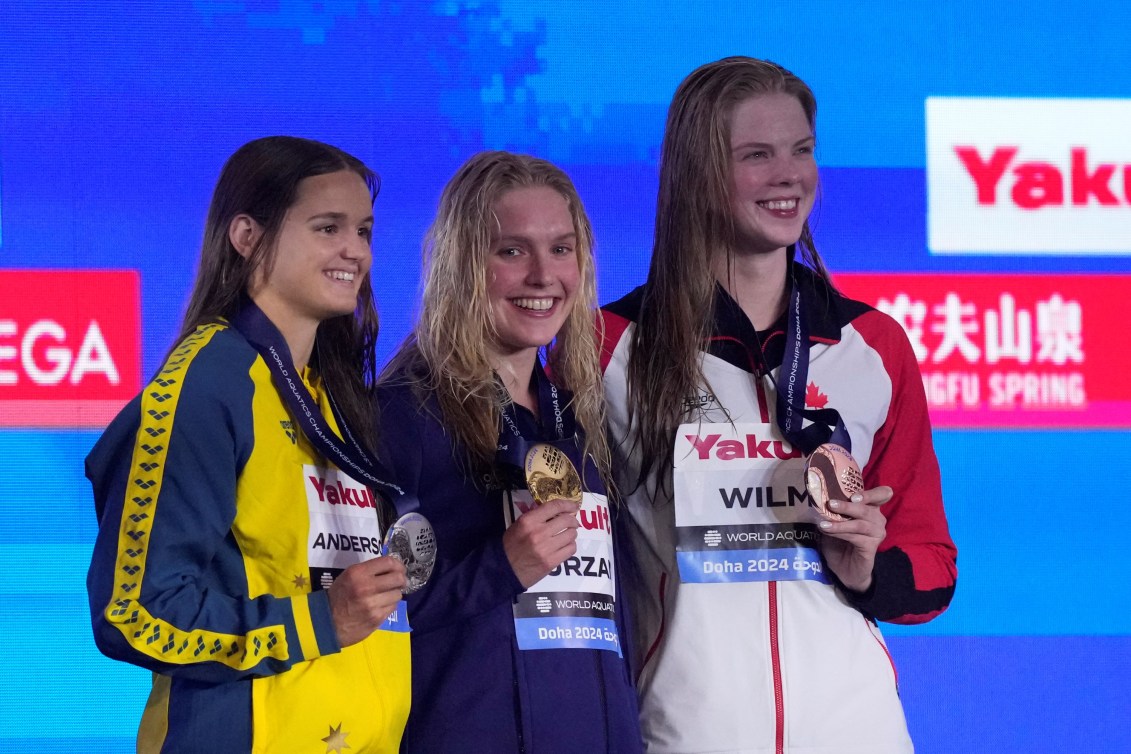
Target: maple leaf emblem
{"points": [[814, 398]]}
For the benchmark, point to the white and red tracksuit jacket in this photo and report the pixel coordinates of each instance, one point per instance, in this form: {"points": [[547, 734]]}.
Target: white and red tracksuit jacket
{"points": [[784, 666]]}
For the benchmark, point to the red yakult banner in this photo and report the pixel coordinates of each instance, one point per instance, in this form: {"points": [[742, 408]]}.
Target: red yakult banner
{"points": [[70, 346], [1012, 350], [1028, 176]]}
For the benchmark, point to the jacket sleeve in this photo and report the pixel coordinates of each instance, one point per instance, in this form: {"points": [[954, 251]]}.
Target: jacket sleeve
{"points": [[916, 567], [166, 584], [472, 574]]}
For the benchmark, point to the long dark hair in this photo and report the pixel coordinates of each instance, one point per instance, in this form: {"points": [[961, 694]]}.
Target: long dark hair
{"points": [[694, 223], [261, 180]]}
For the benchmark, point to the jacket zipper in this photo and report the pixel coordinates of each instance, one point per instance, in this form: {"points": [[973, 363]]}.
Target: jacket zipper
{"points": [[775, 662], [772, 596]]}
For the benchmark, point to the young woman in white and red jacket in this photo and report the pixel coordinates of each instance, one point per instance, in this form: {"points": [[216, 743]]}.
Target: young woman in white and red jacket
{"points": [[755, 615]]}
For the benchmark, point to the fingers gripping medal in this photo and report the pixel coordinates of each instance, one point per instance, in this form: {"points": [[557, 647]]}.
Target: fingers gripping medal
{"points": [[832, 474], [550, 475], [411, 540]]}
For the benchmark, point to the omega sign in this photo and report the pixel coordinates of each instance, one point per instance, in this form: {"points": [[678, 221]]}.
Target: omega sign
{"points": [[69, 346], [1028, 176]]}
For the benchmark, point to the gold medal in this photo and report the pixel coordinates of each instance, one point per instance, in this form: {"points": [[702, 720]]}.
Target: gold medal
{"points": [[831, 473], [550, 475]]}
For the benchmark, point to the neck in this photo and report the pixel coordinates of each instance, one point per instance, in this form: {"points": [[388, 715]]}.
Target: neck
{"points": [[516, 371], [757, 282], [298, 332]]}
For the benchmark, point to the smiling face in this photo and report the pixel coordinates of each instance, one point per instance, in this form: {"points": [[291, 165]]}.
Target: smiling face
{"points": [[532, 270], [322, 254], [773, 172]]}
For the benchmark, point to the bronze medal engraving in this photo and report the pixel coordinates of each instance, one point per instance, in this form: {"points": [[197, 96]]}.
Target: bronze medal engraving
{"points": [[831, 473]]}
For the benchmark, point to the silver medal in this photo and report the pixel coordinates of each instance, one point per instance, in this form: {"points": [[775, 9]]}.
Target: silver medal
{"points": [[412, 541]]}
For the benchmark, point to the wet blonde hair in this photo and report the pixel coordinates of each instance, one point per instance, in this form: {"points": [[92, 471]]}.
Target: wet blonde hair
{"points": [[447, 354]]}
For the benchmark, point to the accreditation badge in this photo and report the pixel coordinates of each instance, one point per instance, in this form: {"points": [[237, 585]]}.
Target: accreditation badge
{"points": [[742, 509], [344, 529], [574, 605]]}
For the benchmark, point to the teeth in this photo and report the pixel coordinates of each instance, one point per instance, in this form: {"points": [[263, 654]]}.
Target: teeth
{"points": [[536, 304], [780, 204], [341, 275]]}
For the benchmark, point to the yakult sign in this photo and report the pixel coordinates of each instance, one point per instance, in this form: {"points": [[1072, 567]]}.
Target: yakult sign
{"points": [[1028, 176], [69, 346]]}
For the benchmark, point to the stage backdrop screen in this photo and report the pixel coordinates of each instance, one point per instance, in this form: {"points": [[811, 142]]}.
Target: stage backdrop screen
{"points": [[975, 184]]}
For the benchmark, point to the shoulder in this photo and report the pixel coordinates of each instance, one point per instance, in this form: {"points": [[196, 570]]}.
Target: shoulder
{"points": [[614, 320], [883, 333], [213, 347], [209, 367], [399, 393], [627, 307], [198, 395], [405, 408]]}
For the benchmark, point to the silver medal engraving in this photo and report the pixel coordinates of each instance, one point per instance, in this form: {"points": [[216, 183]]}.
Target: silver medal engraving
{"points": [[412, 541]]}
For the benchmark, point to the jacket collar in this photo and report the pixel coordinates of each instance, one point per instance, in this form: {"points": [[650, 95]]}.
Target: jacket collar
{"points": [[735, 341]]}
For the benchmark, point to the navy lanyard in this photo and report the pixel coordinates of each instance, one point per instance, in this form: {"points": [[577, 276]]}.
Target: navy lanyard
{"points": [[826, 423], [266, 339], [556, 422]]}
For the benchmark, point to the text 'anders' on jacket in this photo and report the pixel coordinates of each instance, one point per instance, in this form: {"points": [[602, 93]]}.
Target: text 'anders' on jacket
{"points": [[219, 526]]}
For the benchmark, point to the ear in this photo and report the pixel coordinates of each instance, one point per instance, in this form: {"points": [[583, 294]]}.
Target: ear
{"points": [[244, 233]]}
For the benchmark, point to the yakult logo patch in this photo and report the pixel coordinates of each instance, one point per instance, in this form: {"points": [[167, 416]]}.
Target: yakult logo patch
{"points": [[1011, 175], [344, 527]]}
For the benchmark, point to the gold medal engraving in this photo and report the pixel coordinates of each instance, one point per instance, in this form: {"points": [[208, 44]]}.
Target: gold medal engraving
{"points": [[550, 475]]}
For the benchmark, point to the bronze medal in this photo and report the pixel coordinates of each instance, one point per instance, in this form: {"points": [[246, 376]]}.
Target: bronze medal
{"points": [[831, 473]]}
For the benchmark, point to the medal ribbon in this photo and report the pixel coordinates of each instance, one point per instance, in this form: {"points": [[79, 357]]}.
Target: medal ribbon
{"points": [[826, 423], [553, 419], [266, 339]]}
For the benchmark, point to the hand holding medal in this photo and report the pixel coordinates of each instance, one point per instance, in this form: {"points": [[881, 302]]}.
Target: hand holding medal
{"points": [[833, 478], [546, 534]]}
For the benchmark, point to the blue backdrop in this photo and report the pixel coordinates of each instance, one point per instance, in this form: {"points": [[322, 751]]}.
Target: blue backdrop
{"points": [[115, 118]]}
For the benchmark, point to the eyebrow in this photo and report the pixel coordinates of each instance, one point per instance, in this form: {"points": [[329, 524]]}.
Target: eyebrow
{"points": [[336, 217], [524, 239], [749, 144]]}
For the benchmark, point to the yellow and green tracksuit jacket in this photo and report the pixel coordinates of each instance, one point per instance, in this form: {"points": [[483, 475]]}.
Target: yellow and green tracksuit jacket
{"points": [[219, 527]]}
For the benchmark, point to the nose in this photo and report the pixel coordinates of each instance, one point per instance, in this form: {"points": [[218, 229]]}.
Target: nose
{"points": [[538, 269], [786, 171], [356, 246]]}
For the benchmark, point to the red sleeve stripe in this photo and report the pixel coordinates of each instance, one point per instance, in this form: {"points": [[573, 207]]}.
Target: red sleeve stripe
{"points": [[610, 330]]}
